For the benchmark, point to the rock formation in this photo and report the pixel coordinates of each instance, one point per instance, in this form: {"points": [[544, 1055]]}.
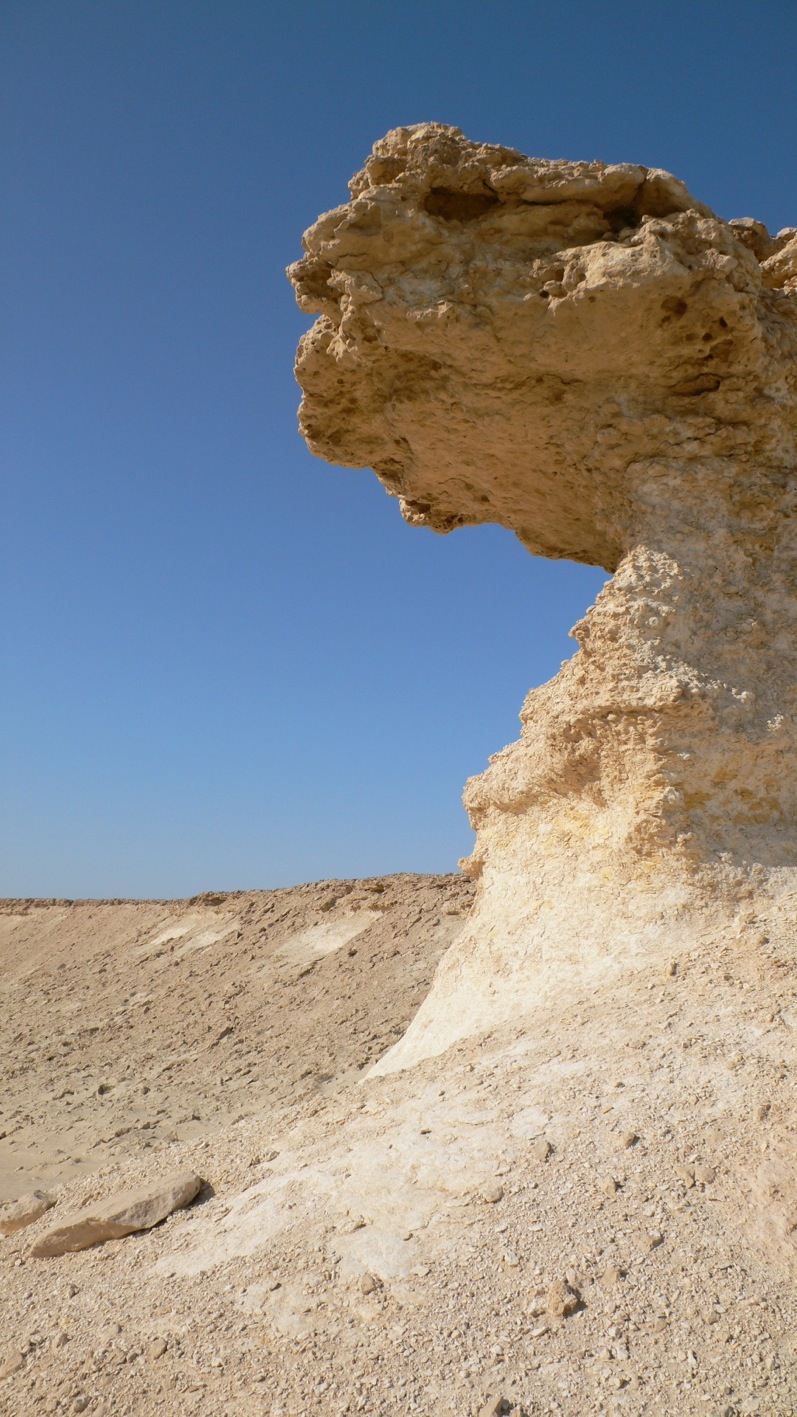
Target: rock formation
{"points": [[588, 356]]}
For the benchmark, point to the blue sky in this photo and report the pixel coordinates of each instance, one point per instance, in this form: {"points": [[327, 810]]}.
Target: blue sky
{"points": [[227, 664]]}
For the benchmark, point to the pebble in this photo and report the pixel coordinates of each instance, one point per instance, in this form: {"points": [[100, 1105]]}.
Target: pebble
{"points": [[491, 1195], [609, 1186], [157, 1348], [11, 1362], [649, 1240], [705, 1175], [562, 1299], [541, 1150], [629, 1139], [368, 1284], [612, 1275]]}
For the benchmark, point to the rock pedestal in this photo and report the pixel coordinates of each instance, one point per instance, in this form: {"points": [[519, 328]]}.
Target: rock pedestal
{"points": [[588, 356]]}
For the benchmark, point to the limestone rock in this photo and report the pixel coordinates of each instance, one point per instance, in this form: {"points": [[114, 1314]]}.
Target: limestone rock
{"points": [[563, 1300], [19, 1213], [592, 358], [119, 1215]]}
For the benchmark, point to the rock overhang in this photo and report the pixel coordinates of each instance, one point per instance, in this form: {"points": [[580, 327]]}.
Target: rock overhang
{"points": [[505, 339]]}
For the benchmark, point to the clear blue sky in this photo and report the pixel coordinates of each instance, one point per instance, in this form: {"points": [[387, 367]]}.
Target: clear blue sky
{"points": [[225, 663]]}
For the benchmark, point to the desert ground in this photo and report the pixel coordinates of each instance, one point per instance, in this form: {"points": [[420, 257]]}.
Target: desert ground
{"points": [[591, 1210]]}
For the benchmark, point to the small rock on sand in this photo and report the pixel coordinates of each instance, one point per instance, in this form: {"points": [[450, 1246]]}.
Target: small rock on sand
{"points": [[10, 1362], [492, 1194], [562, 1299]]}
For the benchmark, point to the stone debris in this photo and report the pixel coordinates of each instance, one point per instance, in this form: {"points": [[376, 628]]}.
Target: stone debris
{"points": [[116, 1216], [17, 1214], [200, 968], [649, 1240], [266, 1276]]}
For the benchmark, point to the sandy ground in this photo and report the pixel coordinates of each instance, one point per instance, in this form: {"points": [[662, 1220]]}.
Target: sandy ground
{"points": [[129, 1023], [399, 1244]]}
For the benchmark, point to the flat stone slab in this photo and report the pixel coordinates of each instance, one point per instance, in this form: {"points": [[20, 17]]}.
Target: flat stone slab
{"points": [[116, 1216], [19, 1213]]}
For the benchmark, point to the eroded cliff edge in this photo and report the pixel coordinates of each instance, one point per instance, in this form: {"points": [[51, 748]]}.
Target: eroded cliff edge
{"points": [[585, 354]]}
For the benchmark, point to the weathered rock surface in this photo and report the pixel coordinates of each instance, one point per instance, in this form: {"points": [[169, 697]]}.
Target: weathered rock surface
{"points": [[116, 1216], [16, 1215], [591, 357]]}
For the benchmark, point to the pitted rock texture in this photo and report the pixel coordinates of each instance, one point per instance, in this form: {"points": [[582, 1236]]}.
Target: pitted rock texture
{"points": [[588, 356], [505, 339]]}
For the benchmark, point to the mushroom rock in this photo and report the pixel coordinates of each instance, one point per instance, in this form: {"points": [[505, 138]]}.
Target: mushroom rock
{"points": [[585, 354]]}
